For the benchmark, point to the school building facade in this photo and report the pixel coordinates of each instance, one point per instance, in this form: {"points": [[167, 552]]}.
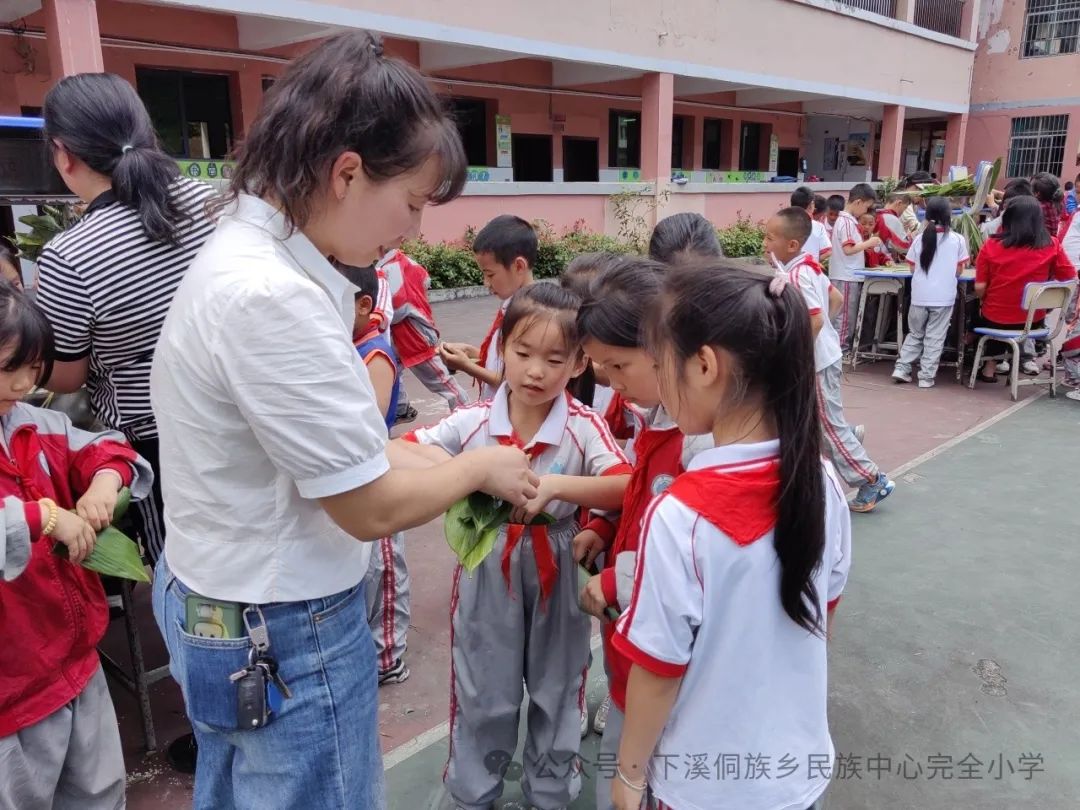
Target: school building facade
{"points": [[691, 104]]}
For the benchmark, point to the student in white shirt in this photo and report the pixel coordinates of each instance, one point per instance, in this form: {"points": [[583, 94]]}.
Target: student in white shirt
{"points": [[273, 449], [743, 559], [848, 255], [937, 258], [819, 243], [515, 618]]}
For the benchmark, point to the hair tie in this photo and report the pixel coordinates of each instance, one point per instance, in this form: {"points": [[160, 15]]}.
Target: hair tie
{"points": [[126, 148], [779, 284]]}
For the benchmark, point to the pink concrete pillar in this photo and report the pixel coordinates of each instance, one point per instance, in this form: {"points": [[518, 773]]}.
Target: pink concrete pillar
{"points": [[71, 28], [657, 109], [955, 138], [892, 141]]}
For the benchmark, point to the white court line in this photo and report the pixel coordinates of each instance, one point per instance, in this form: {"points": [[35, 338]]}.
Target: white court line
{"points": [[960, 437], [434, 735], [396, 756]]}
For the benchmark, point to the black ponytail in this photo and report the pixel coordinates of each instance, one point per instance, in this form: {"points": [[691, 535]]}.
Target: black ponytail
{"points": [[730, 307], [100, 120], [618, 301], [938, 215]]}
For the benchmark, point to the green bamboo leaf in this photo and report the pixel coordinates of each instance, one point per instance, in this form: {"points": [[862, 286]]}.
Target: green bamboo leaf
{"points": [[114, 555]]}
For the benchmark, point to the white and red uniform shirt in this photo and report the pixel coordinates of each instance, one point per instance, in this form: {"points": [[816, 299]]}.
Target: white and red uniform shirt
{"points": [[819, 243], [890, 228], [706, 608], [573, 440], [810, 278], [659, 453], [622, 417], [490, 356], [937, 286], [382, 311], [412, 324], [845, 234]]}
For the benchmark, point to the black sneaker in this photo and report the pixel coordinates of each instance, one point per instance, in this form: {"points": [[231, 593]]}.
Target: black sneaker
{"points": [[183, 753], [398, 673], [408, 414]]}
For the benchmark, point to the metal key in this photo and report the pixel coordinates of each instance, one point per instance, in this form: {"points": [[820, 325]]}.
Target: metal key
{"points": [[259, 635], [271, 666]]}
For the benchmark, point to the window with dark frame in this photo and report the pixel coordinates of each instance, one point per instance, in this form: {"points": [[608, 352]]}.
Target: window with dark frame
{"points": [[471, 116], [750, 147], [624, 139], [1037, 145], [1051, 28], [192, 112], [711, 146], [679, 126]]}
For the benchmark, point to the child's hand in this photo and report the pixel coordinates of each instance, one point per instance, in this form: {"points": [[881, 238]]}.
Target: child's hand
{"points": [[98, 502], [545, 494], [592, 599], [73, 532], [873, 242], [507, 474], [587, 546], [624, 797], [455, 356]]}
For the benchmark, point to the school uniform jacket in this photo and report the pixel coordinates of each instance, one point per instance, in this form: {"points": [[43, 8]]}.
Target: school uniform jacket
{"points": [[54, 613]]}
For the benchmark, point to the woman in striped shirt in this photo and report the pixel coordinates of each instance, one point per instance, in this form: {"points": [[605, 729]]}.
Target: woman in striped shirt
{"points": [[107, 282]]}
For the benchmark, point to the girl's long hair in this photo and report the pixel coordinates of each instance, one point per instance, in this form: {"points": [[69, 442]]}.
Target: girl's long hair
{"points": [[938, 215], [729, 307], [1023, 225]]}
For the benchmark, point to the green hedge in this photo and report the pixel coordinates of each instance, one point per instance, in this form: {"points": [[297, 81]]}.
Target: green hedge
{"points": [[452, 264]]}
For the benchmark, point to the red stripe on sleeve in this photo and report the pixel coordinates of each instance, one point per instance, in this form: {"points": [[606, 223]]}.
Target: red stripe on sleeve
{"points": [[664, 669]]}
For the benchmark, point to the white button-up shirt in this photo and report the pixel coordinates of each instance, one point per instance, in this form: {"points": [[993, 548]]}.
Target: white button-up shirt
{"points": [[263, 405]]}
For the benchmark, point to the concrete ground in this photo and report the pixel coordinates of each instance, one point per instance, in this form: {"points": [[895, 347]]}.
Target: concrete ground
{"points": [[952, 645]]}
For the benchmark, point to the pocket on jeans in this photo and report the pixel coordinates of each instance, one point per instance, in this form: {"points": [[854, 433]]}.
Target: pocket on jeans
{"points": [[209, 695]]}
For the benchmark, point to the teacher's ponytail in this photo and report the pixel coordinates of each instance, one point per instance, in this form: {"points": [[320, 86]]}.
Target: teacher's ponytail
{"points": [[99, 119]]}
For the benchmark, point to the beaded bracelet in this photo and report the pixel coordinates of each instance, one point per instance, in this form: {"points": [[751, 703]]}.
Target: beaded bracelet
{"points": [[54, 516]]}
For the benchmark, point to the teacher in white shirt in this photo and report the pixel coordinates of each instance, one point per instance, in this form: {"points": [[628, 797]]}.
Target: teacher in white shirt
{"points": [[273, 452]]}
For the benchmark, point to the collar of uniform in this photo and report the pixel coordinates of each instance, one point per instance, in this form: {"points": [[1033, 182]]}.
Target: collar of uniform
{"points": [[800, 259], [259, 213], [735, 454], [550, 433]]}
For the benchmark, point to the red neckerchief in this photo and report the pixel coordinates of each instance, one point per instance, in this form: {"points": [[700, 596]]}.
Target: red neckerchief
{"points": [[615, 416], [490, 336], [806, 260], [546, 566], [740, 502]]}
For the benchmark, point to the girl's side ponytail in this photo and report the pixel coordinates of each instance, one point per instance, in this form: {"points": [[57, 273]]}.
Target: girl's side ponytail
{"points": [[938, 215], [799, 536], [100, 120]]}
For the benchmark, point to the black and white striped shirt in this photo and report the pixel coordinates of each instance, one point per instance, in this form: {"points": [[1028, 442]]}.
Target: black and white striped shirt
{"points": [[106, 287]]}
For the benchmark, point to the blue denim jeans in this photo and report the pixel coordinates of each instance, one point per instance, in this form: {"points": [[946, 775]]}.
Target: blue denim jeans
{"points": [[321, 750]]}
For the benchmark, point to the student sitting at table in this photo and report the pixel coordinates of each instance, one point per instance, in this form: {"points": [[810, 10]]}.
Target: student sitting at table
{"points": [[937, 259], [877, 256], [1024, 252]]}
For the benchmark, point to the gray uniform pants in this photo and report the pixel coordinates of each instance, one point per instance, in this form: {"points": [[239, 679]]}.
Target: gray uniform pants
{"points": [[844, 322], [927, 329], [387, 586], [844, 450], [500, 638], [71, 760], [436, 378]]}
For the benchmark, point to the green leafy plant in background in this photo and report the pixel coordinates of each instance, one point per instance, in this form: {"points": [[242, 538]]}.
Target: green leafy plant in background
{"points": [[633, 212], [43, 227], [744, 238], [887, 185]]}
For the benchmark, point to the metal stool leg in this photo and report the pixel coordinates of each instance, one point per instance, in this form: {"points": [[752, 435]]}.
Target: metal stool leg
{"points": [[855, 342], [138, 665]]}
